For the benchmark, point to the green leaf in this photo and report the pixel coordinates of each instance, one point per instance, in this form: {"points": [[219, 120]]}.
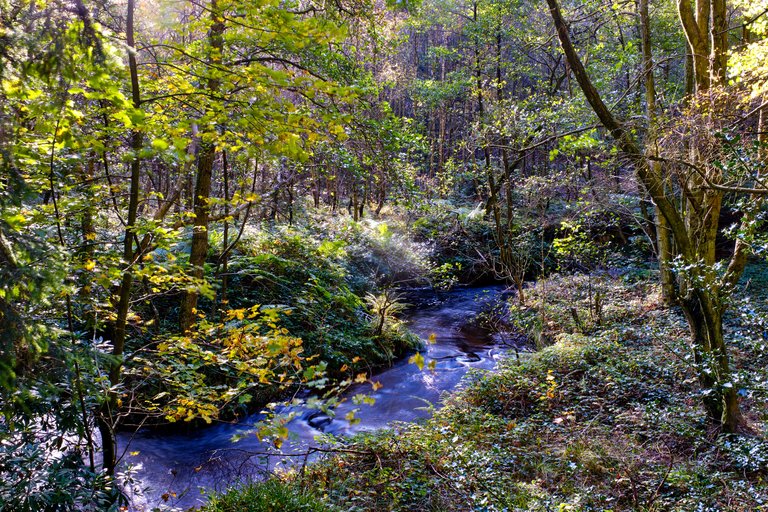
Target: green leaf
{"points": [[159, 144]]}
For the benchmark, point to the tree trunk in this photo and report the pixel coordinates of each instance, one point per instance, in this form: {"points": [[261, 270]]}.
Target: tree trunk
{"points": [[696, 27], [721, 401], [106, 417], [663, 242], [225, 242], [199, 248], [665, 256]]}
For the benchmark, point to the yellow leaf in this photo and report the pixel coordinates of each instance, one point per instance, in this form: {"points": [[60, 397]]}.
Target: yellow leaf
{"points": [[361, 377], [418, 360], [376, 385], [351, 417], [89, 265]]}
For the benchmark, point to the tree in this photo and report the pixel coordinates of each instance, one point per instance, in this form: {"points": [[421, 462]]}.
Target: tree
{"points": [[205, 159], [691, 211], [96, 145]]}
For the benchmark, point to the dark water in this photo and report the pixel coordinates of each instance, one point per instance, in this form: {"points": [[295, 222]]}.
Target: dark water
{"points": [[183, 467]]}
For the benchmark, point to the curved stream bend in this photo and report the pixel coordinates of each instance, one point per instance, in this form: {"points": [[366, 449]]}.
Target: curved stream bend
{"points": [[178, 469]]}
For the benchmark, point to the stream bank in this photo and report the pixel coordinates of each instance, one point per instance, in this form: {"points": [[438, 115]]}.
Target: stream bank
{"points": [[182, 469]]}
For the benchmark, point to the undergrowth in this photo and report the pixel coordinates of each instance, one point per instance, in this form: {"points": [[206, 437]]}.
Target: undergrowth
{"points": [[606, 417]]}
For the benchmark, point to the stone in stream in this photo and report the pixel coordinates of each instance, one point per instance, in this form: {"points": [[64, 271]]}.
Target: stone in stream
{"points": [[470, 357], [319, 420]]}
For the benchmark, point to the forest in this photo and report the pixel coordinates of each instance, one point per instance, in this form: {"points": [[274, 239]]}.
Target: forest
{"points": [[379, 255]]}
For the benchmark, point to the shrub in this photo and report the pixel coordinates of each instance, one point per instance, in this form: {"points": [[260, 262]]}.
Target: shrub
{"points": [[312, 278]]}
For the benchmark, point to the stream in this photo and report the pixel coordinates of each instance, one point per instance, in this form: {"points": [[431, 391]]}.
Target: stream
{"points": [[181, 469]]}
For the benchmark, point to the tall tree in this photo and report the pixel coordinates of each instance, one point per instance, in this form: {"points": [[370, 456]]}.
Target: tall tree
{"points": [[205, 160], [692, 218]]}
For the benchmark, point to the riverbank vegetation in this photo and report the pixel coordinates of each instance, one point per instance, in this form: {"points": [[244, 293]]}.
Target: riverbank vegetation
{"points": [[211, 207], [605, 417]]}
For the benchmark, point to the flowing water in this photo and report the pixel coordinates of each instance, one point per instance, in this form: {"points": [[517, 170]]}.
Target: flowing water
{"points": [[179, 469]]}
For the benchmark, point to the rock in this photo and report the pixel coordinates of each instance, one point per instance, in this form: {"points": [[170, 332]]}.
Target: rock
{"points": [[319, 420], [470, 357]]}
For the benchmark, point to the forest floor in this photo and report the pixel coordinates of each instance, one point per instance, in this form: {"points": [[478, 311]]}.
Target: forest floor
{"points": [[605, 415]]}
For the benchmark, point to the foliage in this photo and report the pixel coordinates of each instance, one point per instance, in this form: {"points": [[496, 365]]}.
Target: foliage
{"points": [[220, 367], [47, 455], [458, 236], [576, 248], [383, 253], [269, 496], [292, 164], [312, 278]]}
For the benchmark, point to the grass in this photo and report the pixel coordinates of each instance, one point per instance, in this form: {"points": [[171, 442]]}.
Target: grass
{"points": [[269, 496]]}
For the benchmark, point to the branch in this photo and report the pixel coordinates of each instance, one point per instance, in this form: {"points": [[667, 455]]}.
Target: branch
{"points": [[623, 138], [708, 181]]}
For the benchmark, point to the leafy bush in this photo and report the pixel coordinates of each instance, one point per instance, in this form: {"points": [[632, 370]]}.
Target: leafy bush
{"points": [[311, 278], [456, 236], [47, 449], [381, 254], [220, 367]]}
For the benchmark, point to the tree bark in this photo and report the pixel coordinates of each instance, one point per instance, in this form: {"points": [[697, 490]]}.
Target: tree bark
{"points": [[696, 27], [199, 249], [106, 417]]}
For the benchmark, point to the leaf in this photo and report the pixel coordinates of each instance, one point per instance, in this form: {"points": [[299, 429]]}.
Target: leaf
{"points": [[417, 359], [160, 144], [351, 417]]}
